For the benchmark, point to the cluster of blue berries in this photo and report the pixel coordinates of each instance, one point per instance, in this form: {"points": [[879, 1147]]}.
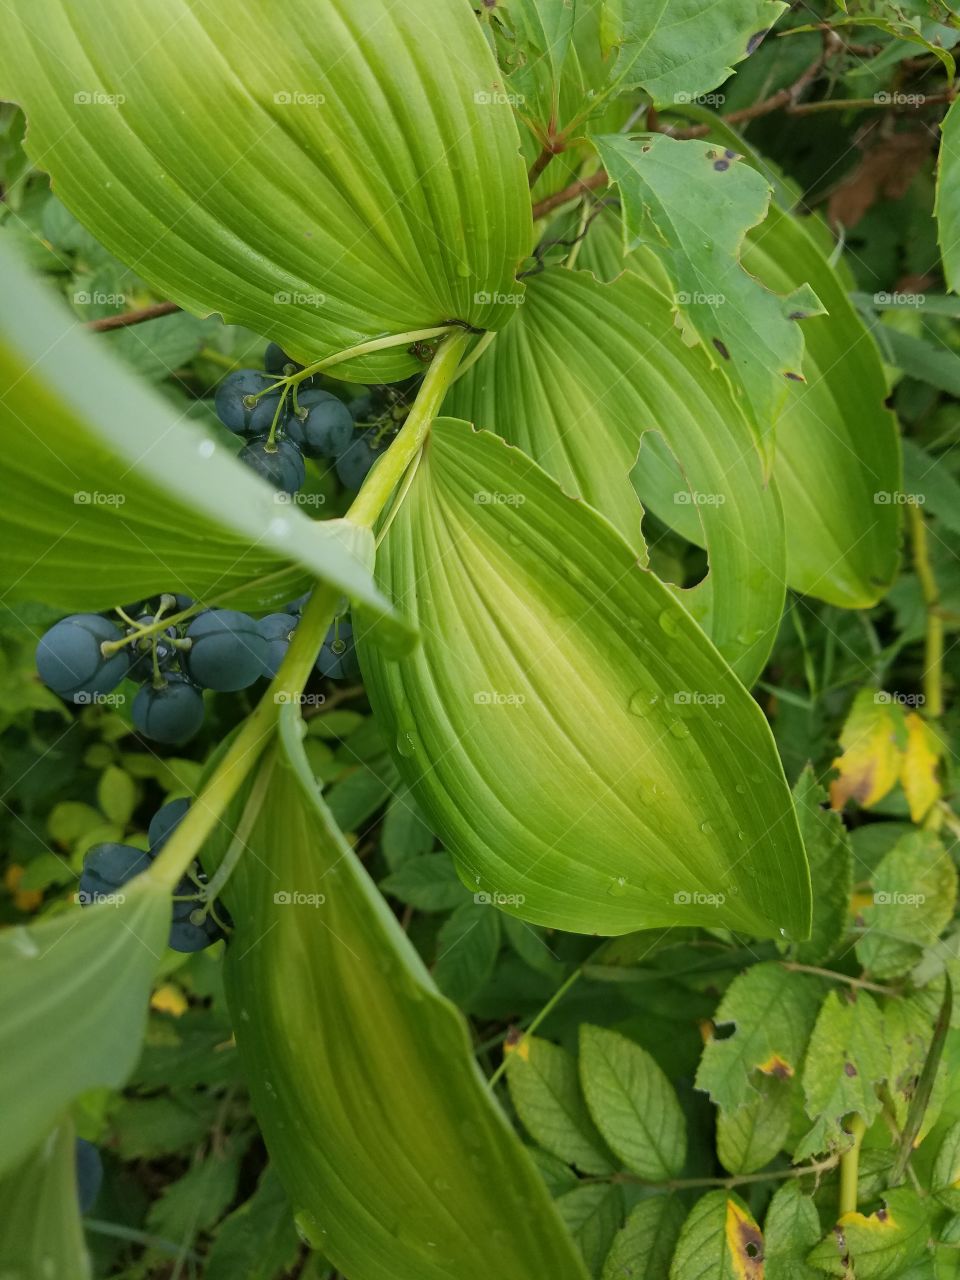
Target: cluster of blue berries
{"points": [[196, 923], [282, 429], [84, 657]]}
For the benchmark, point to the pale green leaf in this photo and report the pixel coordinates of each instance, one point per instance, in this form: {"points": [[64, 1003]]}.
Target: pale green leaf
{"points": [[632, 1103], [398, 1162], [74, 990], [643, 1248], [593, 1215], [692, 203], [429, 883], [582, 408], [914, 893], [847, 1058], [467, 947], [323, 192], [117, 795], [538, 625], [41, 1233], [790, 1230], [545, 1090], [773, 1011], [879, 1245], [749, 1137], [105, 474], [719, 1241]]}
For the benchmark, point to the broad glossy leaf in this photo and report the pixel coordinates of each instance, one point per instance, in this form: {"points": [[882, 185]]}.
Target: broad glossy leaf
{"points": [[320, 176], [586, 373], [632, 1103], [74, 990], [692, 203], [773, 1011], [100, 472], [719, 1241], [540, 627], [398, 1162], [41, 1234], [948, 196]]}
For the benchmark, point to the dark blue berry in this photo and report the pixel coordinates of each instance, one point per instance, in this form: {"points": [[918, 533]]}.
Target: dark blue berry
{"points": [[281, 466], [276, 629], [71, 662], [172, 714], [227, 651], [141, 668], [237, 409], [192, 927], [338, 656], [361, 407], [106, 868], [164, 822], [277, 362], [89, 1171], [359, 456], [323, 427]]}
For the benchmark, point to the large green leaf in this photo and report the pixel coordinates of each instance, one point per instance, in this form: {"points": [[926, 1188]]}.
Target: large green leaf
{"points": [[74, 991], [948, 196], [837, 446], [691, 204], [396, 1157], [321, 174], [540, 627], [98, 472], [578, 379], [41, 1234]]}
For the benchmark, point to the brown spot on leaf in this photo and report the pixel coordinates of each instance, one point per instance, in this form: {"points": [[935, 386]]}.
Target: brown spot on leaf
{"points": [[744, 1242], [721, 165], [776, 1066], [721, 347], [797, 315], [849, 1069], [794, 377], [755, 41]]}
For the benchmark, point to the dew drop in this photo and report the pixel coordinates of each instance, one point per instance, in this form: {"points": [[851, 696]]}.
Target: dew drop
{"points": [[740, 789], [407, 743], [617, 887], [679, 729], [206, 448], [706, 828], [641, 703]]}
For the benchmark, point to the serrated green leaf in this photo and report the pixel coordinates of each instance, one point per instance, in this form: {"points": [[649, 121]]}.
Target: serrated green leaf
{"points": [[545, 1090], [398, 1162], [405, 834], [914, 893], [790, 1230], [773, 1011], [642, 1249], [632, 1103], [105, 474], [429, 883], [146, 1128], [41, 1233], [258, 1240], [195, 1202], [749, 1137], [847, 1058], [320, 217], [692, 204], [879, 1245], [945, 1180], [66, 1023], [582, 409], [831, 869], [719, 1241], [595, 831], [467, 947], [593, 1215]]}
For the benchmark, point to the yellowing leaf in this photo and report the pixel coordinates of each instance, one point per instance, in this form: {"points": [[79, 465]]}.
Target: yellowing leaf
{"points": [[918, 770], [872, 741], [745, 1243], [23, 899], [169, 999]]}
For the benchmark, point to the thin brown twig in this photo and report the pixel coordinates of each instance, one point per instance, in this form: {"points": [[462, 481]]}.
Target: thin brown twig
{"points": [[127, 318]]}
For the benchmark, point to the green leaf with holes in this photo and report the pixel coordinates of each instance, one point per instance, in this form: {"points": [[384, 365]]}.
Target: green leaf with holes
{"points": [[338, 197], [517, 591]]}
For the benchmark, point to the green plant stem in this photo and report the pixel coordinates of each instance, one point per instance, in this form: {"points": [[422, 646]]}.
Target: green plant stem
{"points": [[933, 656], [850, 1166], [547, 1009], [389, 471], [363, 349], [735, 1180], [834, 976]]}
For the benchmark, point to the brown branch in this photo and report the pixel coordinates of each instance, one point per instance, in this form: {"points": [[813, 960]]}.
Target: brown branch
{"points": [[578, 188], [127, 318]]}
